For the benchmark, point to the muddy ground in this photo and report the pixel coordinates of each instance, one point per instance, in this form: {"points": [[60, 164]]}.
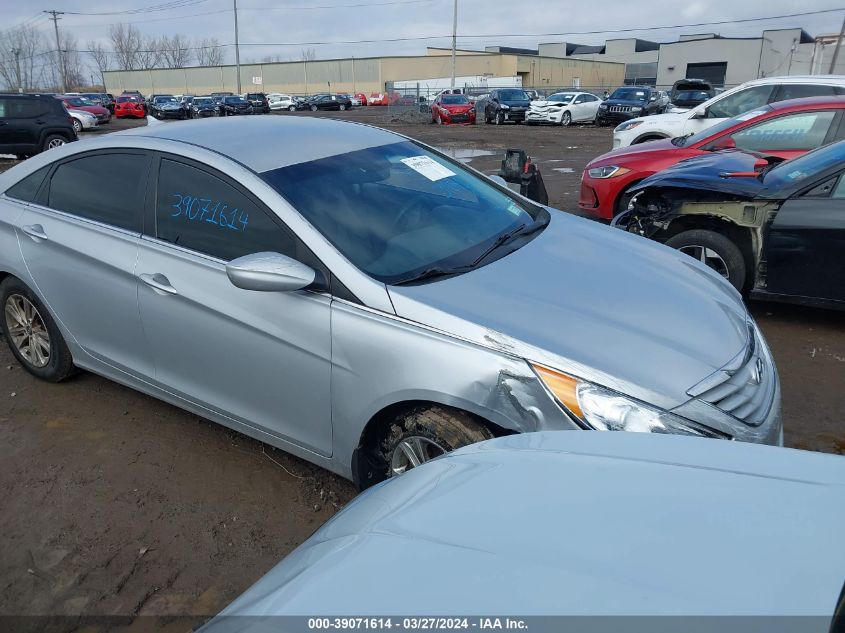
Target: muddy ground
{"points": [[114, 503]]}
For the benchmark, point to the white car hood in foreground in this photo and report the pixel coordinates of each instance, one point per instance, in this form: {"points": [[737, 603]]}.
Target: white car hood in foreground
{"points": [[579, 523]]}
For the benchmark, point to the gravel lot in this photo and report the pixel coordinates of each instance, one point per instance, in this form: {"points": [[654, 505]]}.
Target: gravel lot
{"points": [[117, 504]]}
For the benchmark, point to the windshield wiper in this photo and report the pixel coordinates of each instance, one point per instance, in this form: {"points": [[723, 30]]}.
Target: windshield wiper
{"points": [[432, 273], [504, 238]]}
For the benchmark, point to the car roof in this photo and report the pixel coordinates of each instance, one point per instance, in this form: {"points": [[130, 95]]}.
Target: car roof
{"points": [[580, 523], [238, 138], [838, 80], [809, 103]]}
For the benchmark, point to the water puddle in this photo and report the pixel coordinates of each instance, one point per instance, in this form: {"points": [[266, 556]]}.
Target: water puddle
{"points": [[464, 154]]}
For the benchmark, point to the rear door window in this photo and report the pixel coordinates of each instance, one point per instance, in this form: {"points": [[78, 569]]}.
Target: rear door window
{"points": [[740, 102], [799, 131], [799, 91], [200, 211], [106, 187]]}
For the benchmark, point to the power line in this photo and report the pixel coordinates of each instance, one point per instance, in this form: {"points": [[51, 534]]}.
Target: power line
{"points": [[166, 6]]}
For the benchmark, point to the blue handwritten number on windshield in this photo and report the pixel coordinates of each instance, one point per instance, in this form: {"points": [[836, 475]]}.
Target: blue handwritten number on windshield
{"points": [[218, 213]]}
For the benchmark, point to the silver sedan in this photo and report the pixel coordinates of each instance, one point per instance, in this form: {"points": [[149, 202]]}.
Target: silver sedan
{"points": [[361, 301]]}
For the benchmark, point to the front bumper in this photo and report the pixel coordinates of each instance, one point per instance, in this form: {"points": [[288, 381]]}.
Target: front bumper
{"points": [[515, 114], [548, 116], [617, 116]]}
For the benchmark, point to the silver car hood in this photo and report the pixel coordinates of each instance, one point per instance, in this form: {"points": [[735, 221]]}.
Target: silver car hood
{"points": [[613, 524], [597, 302]]}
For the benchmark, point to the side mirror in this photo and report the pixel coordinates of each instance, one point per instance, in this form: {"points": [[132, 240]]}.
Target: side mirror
{"points": [[699, 114], [726, 142], [269, 272]]}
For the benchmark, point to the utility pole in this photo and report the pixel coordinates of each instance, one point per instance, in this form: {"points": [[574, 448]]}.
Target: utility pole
{"points": [[454, 40], [237, 48], [55, 17], [836, 48], [17, 53]]}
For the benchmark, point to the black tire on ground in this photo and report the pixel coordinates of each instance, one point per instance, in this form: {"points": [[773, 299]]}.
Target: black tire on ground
{"points": [[342, 107], [21, 156], [53, 140], [77, 126], [313, 108], [292, 108], [694, 240], [60, 363], [434, 427], [500, 118], [566, 119]]}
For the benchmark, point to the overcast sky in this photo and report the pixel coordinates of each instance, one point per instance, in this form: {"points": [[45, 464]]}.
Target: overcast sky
{"points": [[294, 21]]}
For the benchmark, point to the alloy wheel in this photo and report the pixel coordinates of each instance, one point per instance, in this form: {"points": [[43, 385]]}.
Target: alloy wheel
{"points": [[27, 331], [413, 451], [56, 142], [708, 257]]}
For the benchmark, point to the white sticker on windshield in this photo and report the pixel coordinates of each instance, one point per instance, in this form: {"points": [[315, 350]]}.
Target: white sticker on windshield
{"points": [[750, 115], [423, 165]]}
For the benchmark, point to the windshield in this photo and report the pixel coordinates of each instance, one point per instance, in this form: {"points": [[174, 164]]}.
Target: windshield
{"points": [[79, 101], [793, 172], [166, 100], [562, 97], [203, 101], [715, 130], [234, 100], [398, 210], [628, 94], [513, 95], [451, 99], [692, 96], [125, 99]]}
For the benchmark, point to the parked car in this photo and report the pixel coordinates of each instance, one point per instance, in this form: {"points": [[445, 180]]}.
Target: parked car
{"points": [[688, 93], [222, 94], [326, 102], [534, 95], [33, 123], [102, 98], [234, 105], [785, 129], [362, 98], [451, 109], [81, 103], [378, 99], [167, 107], [258, 101], [187, 104], [628, 102], [202, 107], [772, 228], [82, 120], [356, 101], [663, 100], [251, 274], [728, 104], [505, 105], [563, 108], [130, 106], [681, 501], [278, 101]]}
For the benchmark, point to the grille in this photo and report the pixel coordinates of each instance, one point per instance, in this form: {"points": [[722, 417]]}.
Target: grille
{"points": [[745, 387], [614, 108], [459, 118]]}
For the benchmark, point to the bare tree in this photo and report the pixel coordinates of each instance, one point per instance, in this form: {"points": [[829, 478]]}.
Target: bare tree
{"points": [[209, 52], [24, 56], [307, 55], [175, 51], [73, 68], [269, 59], [126, 41], [149, 54], [100, 59]]}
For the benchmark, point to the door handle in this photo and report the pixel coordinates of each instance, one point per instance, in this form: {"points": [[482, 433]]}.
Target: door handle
{"points": [[159, 283], [40, 121], [35, 231]]}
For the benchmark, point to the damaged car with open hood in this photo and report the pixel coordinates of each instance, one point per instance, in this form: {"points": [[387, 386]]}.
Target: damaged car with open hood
{"points": [[772, 228], [365, 303]]}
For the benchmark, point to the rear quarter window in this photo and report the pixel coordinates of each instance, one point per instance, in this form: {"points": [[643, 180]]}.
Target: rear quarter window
{"points": [[26, 189]]}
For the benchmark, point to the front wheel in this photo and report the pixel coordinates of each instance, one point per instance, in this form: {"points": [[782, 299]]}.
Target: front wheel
{"points": [[313, 108], [32, 334], [342, 107], [292, 108], [77, 126], [421, 435], [500, 118], [566, 119], [715, 251]]}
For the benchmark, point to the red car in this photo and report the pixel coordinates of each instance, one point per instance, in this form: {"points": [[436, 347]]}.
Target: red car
{"points": [[449, 109], [129, 107], [361, 97], [81, 103], [785, 129]]}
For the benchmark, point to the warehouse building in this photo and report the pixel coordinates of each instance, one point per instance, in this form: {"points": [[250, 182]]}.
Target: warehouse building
{"points": [[724, 61], [373, 74]]}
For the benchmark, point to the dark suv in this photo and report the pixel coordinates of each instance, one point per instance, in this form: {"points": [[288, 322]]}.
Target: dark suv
{"points": [[506, 104], [30, 124], [258, 101], [629, 102]]}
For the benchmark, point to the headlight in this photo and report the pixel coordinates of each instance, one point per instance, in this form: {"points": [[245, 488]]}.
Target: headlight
{"points": [[602, 409], [608, 171], [602, 106], [636, 109], [504, 106], [472, 110], [627, 125]]}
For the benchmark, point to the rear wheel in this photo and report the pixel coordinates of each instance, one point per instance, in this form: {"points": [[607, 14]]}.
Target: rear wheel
{"points": [[313, 108], [342, 107], [32, 334], [421, 435], [53, 141], [715, 250], [292, 108]]}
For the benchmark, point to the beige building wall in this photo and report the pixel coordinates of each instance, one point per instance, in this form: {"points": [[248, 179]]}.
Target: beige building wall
{"points": [[364, 75]]}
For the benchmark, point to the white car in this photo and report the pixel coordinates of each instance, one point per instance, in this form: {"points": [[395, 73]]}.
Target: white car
{"points": [[82, 120], [726, 105], [563, 108], [355, 100], [279, 101]]}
